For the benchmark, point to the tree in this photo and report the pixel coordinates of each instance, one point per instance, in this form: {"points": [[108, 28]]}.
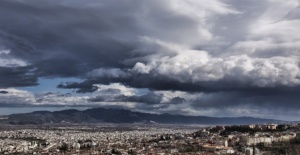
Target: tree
{"points": [[63, 147]]}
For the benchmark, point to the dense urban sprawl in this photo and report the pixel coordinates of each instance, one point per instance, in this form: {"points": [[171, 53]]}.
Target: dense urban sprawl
{"points": [[152, 139]]}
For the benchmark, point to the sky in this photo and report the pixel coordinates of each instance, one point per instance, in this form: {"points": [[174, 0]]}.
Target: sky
{"points": [[190, 57]]}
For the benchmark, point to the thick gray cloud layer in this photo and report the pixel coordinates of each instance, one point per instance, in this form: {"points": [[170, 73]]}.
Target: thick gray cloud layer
{"points": [[229, 53]]}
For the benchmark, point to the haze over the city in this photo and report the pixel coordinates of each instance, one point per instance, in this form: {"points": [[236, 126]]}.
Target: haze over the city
{"points": [[190, 57]]}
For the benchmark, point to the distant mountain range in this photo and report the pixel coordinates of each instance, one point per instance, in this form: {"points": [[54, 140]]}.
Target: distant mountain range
{"points": [[100, 115]]}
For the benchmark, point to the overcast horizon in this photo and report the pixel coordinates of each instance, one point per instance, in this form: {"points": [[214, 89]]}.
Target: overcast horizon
{"points": [[222, 58]]}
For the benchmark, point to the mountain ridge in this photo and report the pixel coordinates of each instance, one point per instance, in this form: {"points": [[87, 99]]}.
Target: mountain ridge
{"points": [[104, 115]]}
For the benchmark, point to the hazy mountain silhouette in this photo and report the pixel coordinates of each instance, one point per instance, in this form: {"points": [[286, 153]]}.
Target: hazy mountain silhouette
{"points": [[99, 115]]}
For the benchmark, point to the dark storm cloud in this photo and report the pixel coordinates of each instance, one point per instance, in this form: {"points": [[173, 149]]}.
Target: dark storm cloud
{"points": [[62, 40], [177, 100], [234, 52], [69, 38], [17, 77], [72, 39], [140, 81], [3, 92], [83, 87], [158, 82], [284, 98]]}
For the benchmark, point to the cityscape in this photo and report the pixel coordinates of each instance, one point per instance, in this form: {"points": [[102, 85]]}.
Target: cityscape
{"points": [[151, 139], [149, 77]]}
